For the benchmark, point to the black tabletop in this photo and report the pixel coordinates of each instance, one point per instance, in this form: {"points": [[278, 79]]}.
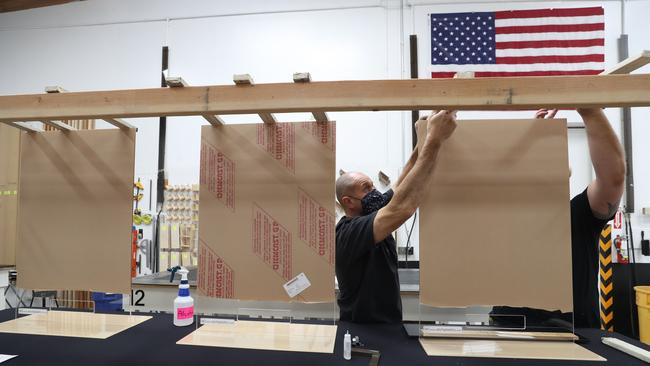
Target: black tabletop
{"points": [[154, 343]]}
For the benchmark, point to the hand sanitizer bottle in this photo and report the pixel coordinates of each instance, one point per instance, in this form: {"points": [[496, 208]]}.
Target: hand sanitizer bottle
{"points": [[347, 346], [184, 303]]}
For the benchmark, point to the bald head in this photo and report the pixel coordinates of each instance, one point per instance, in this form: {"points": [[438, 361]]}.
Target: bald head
{"points": [[350, 188], [344, 185]]}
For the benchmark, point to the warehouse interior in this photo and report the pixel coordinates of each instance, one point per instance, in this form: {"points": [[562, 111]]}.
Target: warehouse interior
{"points": [[364, 181]]}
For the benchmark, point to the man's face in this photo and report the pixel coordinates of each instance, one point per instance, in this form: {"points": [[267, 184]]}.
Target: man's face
{"points": [[361, 186]]}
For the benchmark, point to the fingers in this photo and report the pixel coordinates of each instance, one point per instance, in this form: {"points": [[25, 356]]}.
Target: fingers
{"points": [[545, 113]]}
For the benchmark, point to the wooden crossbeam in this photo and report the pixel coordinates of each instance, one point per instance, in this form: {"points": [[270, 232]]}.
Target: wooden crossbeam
{"points": [[175, 82], [178, 82], [629, 64], [25, 128], [58, 125], [523, 93], [247, 80], [305, 77], [117, 122]]}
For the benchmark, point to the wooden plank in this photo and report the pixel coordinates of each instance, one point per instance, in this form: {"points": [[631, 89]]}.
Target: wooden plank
{"points": [[25, 128], [58, 125], [84, 124], [176, 82], [54, 89], [630, 64], [305, 77], [243, 79], [117, 122], [461, 94], [214, 120], [267, 117], [247, 80]]}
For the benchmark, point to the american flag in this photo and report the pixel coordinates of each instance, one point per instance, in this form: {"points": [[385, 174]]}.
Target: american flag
{"points": [[518, 43]]}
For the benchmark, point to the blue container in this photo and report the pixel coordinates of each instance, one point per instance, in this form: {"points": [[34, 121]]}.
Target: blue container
{"points": [[107, 302]]}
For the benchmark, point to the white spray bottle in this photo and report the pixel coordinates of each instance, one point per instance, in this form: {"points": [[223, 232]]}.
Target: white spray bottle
{"points": [[183, 303]]}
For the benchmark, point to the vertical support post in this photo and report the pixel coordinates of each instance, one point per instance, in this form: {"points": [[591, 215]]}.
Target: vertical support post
{"points": [[162, 137], [626, 123], [413, 51]]}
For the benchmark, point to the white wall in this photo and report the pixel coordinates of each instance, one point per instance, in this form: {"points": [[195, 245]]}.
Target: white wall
{"points": [[116, 44]]}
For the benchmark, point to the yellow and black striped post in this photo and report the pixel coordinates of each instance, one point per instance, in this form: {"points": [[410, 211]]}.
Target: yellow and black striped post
{"points": [[606, 279]]}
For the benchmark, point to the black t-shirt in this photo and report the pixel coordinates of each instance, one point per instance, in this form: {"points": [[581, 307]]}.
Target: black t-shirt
{"points": [[367, 273], [585, 229]]}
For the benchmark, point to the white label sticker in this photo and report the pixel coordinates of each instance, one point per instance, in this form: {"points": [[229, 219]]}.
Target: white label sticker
{"points": [[4, 358], [216, 321], [441, 329], [297, 285], [30, 311]]}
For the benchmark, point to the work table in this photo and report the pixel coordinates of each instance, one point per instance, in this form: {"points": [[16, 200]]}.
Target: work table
{"points": [[154, 343]]}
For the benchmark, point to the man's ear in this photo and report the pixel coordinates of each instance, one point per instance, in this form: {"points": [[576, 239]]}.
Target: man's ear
{"points": [[345, 202]]}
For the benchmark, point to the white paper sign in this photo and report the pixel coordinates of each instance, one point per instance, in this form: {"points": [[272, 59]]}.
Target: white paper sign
{"points": [[4, 358], [297, 285]]}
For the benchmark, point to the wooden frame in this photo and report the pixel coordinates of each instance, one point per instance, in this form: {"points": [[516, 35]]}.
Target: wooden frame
{"points": [[317, 98], [372, 95]]}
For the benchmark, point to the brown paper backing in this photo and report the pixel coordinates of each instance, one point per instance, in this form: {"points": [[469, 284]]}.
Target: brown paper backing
{"points": [[265, 335], [242, 181], [74, 217], [495, 226]]}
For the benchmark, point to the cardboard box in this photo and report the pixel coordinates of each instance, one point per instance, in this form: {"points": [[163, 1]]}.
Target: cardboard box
{"points": [[495, 227], [75, 210], [267, 210]]}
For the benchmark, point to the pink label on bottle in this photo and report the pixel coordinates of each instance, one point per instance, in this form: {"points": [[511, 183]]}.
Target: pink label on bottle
{"points": [[185, 313]]}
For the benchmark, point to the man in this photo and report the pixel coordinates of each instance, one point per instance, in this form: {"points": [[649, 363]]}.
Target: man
{"points": [[590, 211], [366, 256]]}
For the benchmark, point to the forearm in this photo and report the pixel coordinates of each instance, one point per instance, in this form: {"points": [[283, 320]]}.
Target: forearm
{"points": [[411, 191], [604, 148], [407, 168]]}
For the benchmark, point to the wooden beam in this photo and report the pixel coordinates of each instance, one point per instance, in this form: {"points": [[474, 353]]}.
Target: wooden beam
{"points": [[512, 93], [630, 64], [117, 122], [243, 79], [247, 80], [54, 89], [214, 120], [178, 82], [175, 82], [305, 77], [25, 128], [58, 125]]}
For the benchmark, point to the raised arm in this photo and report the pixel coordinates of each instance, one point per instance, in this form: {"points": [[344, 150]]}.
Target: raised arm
{"points": [[407, 168], [607, 157], [413, 187]]}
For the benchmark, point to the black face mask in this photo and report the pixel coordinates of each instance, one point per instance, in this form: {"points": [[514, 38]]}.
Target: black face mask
{"points": [[374, 200]]}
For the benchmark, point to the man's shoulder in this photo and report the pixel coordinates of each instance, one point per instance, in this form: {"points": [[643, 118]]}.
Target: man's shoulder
{"points": [[347, 221]]}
